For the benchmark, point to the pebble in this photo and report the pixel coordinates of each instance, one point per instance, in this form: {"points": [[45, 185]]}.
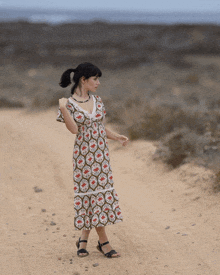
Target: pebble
{"points": [[53, 214], [24, 233], [37, 190], [64, 235], [184, 234], [193, 224], [52, 223], [168, 227], [43, 210], [59, 258], [96, 264]]}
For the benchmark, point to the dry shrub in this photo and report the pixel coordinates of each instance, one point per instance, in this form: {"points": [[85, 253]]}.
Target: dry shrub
{"points": [[177, 146], [144, 120], [216, 185], [192, 79], [48, 98], [7, 103]]}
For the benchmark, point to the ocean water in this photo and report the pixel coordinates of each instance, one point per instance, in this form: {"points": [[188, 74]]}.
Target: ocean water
{"points": [[60, 16]]}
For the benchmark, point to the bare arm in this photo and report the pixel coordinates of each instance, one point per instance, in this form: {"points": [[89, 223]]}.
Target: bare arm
{"points": [[69, 121], [114, 136]]}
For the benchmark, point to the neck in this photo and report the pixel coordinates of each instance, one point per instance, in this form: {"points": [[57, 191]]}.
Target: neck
{"points": [[81, 93]]}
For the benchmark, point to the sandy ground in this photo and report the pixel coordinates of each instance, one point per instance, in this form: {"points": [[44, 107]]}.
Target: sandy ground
{"points": [[171, 221]]}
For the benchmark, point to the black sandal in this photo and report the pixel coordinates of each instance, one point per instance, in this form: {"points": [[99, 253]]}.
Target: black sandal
{"points": [[108, 254], [82, 250]]}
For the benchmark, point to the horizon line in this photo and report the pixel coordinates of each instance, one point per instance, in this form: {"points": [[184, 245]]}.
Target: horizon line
{"points": [[58, 9]]}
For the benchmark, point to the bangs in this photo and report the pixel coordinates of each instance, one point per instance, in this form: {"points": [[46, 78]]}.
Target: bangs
{"points": [[91, 70], [94, 71]]}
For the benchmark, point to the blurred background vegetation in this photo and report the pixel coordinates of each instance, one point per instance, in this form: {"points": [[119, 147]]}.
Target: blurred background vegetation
{"points": [[160, 83]]}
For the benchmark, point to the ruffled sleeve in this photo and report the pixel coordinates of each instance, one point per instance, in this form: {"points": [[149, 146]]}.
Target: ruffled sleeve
{"points": [[102, 104], [69, 107], [60, 117], [103, 109]]}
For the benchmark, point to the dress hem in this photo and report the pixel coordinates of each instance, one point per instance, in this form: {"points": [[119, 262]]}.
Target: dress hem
{"points": [[100, 225]]}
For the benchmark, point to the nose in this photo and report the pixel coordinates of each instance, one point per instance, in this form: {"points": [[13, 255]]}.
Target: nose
{"points": [[98, 82]]}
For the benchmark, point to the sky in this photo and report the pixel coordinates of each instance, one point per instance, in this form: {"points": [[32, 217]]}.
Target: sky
{"points": [[126, 5]]}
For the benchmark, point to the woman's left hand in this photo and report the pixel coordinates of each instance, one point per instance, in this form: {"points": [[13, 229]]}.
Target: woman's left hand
{"points": [[123, 140]]}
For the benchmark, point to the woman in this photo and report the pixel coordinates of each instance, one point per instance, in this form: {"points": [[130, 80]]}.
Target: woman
{"points": [[95, 199]]}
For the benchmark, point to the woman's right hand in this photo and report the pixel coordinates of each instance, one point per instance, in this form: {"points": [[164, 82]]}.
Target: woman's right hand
{"points": [[63, 102]]}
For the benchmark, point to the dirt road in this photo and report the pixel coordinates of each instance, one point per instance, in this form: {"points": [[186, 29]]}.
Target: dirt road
{"points": [[171, 222]]}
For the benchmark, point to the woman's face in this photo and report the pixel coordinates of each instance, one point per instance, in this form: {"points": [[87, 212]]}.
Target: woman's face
{"points": [[92, 83]]}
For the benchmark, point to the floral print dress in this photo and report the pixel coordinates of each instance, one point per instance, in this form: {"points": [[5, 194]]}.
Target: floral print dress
{"points": [[96, 201]]}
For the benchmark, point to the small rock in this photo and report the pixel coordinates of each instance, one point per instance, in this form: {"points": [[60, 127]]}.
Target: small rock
{"points": [[184, 234], [59, 258], [37, 190], [178, 233], [43, 210], [193, 224], [58, 228], [52, 223], [173, 209], [96, 264], [168, 227], [24, 233], [64, 235], [46, 229], [29, 207], [53, 214]]}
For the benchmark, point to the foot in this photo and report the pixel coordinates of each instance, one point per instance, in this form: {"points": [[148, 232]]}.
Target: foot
{"points": [[81, 245], [107, 248]]}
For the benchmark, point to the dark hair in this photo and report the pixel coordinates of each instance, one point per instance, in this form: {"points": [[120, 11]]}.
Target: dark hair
{"points": [[84, 69]]}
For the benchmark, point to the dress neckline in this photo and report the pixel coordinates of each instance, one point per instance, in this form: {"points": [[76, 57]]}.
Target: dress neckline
{"points": [[83, 110]]}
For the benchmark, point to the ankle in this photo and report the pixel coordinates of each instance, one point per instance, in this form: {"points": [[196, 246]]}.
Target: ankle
{"points": [[103, 240]]}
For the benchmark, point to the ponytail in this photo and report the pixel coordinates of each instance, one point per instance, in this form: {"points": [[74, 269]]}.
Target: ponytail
{"points": [[65, 78]]}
